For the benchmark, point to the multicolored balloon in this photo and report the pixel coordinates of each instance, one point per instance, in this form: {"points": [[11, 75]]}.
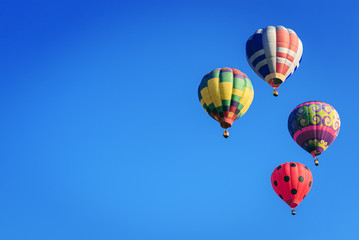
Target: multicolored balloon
{"points": [[274, 53], [292, 182], [314, 126], [225, 94]]}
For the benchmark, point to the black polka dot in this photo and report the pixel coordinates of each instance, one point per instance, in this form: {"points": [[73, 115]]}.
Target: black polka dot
{"points": [[306, 168], [286, 179], [281, 196], [293, 191], [293, 165], [301, 179], [279, 167], [275, 183], [304, 196], [310, 183]]}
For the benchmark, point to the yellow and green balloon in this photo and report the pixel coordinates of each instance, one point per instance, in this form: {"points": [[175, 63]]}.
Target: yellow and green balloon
{"points": [[225, 94]]}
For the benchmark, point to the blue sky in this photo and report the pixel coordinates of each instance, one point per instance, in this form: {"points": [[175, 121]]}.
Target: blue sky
{"points": [[102, 135]]}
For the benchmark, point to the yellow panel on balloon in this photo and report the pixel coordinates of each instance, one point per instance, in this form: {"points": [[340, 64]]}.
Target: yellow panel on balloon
{"points": [[226, 90], [213, 86]]}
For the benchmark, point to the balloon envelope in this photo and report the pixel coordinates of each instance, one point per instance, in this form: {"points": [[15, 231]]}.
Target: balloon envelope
{"points": [[314, 125], [225, 94], [292, 182], [274, 53]]}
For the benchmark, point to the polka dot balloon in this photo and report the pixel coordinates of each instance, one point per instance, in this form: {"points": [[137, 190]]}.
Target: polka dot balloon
{"points": [[292, 182]]}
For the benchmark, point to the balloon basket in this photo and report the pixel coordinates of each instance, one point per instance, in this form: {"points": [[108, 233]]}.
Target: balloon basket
{"points": [[316, 162], [293, 212], [226, 134], [275, 93]]}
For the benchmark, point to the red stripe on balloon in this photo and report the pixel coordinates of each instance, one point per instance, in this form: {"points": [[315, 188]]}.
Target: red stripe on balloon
{"points": [[294, 42]]}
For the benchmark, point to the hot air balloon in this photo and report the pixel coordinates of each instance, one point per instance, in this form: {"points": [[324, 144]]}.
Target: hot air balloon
{"points": [[225, 94], [292, 182], [314, 126], [274, 53]]}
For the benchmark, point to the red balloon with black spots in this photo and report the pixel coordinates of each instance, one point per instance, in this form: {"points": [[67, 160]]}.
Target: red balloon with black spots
{"points": [[292, 182]]}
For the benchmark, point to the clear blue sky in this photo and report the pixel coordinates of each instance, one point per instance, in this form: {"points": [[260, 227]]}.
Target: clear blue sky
{"points": [[102, 135]]}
